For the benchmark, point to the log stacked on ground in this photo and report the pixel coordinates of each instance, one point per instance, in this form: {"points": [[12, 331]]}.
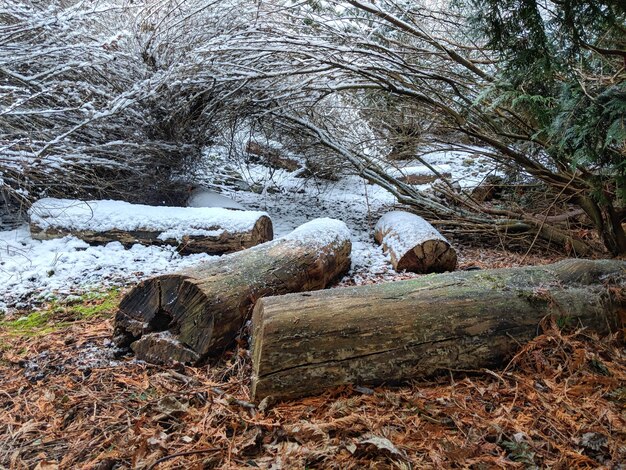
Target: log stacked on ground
{"points": [[413, 244], [303, 344], [192, 230], [191, 315]]}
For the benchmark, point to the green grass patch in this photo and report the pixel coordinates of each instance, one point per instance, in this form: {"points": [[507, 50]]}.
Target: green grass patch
{"points": [[92, 304], [33, 324], [62, 313]]}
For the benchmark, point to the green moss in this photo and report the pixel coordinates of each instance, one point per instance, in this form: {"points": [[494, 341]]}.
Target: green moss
{"points": [[93, 304], [526, 294], [564, 323], [60, 314], [491, 281], [31, 325]]}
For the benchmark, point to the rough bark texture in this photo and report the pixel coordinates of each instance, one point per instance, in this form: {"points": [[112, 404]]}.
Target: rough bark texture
{"points": [[197, 313], [413, 244], [304, 343], [225, 242]]}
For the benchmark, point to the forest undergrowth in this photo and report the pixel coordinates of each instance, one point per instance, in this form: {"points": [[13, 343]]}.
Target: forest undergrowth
{"points": [[70, 400]]}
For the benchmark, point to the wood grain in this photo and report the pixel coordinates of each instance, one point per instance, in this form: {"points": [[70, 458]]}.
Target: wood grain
{"points": [[305, 343]]}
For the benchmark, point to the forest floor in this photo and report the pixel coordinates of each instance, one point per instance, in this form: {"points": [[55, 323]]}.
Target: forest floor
{"points": [[69, 399]]}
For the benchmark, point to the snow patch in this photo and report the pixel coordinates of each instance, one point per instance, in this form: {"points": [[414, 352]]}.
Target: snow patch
{"points": [[178, 233], [31, 269], [421, 170]]}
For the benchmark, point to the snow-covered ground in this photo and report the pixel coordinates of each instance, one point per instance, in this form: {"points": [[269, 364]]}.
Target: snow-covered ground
{"points": [[32, 270]]}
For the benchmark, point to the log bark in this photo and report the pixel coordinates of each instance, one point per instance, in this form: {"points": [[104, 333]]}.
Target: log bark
{"points": [[194, 314], [413, 244], [220, 243], [393, 332], [221, 231]]}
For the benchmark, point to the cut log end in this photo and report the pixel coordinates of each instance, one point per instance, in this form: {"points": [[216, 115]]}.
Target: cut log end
{"points": [[226, 242], [413, 244], [263, 230], [153, 320], [433, 256]]}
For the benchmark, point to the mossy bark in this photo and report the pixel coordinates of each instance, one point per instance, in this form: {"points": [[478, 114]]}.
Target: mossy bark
{"points": [[305, 343], [197, 313]]}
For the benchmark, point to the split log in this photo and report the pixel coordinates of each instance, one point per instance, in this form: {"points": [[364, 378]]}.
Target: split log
{"points": [[194, 314], [191, 230], [305, 343], [413, 244]]}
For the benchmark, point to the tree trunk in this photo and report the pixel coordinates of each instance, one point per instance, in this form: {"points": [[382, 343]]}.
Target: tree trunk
{"points": [[403, 330], [191, 230], [413, 244], [608, 223], [188, 316], [215, 244], [613, 232]]}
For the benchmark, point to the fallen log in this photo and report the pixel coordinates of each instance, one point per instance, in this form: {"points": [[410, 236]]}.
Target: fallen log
{"points": [[419, 179], [305, 343], [192, 230], [191, 315], [413, 244]]}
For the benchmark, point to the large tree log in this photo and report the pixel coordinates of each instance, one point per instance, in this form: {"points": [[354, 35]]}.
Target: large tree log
{"points": [[413, 244], [192, 230], [193, 314], [396, 331]]}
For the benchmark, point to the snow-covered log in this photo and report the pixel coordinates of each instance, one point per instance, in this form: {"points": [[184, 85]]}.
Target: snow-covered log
{"points": [[196, 313], [413, 244], [404, 330], [191, 230]]}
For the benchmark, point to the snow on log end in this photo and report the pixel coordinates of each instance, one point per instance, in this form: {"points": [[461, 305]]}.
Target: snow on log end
{"points": [[413, 244]]}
